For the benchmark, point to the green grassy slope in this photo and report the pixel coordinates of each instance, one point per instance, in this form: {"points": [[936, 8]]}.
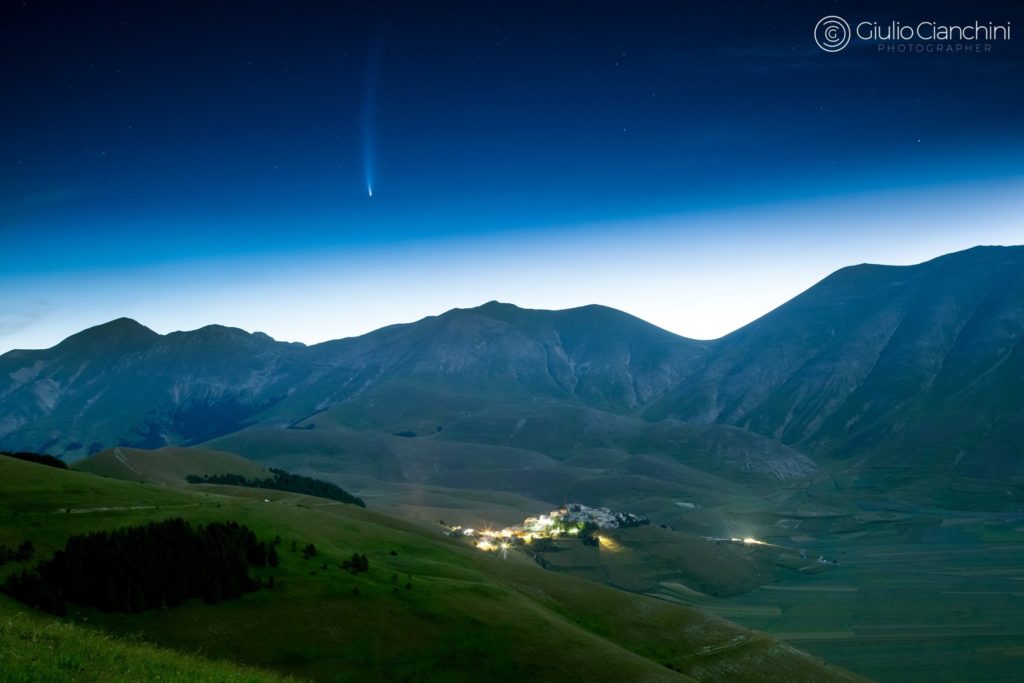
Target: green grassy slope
{"points": [[650, 556], [464, 616], [168, 465], [44, 650]]}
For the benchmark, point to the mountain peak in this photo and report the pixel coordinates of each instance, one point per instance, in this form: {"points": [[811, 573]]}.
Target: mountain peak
{"points": [[491, 309], [492, 306], [122, 323], [116, 333], [215, 331]]}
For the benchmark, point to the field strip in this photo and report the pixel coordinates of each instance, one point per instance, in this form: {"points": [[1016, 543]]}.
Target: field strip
{"points": [[743, 610], [815, 635], [956, 521], [995, 570], [952, 629], [876, 557], [813, 589], [811, 636], [1009, 651], [888, 627], [964, 547], [930, 636]]}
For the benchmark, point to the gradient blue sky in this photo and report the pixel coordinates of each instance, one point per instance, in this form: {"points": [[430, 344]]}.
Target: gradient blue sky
{"points": [[185, 163]]}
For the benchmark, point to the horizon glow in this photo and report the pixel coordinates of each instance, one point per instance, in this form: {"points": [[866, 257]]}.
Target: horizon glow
{"points": [[700, 275], [684, 165]]}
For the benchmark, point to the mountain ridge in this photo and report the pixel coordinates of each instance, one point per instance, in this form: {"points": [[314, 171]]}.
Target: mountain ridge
{"points": [[866, 349], [872, 360]]}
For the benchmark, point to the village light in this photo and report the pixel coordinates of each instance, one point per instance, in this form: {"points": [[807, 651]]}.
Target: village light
{"points": [[571, 520]]}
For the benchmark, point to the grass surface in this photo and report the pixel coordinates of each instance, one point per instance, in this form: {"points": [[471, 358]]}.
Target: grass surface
{"points": [[919, 593], [428, 609], [43, 650], [168, 465]]}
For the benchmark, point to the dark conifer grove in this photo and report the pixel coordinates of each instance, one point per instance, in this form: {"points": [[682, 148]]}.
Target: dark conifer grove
{"points": [[283, 481], [157, 565]]}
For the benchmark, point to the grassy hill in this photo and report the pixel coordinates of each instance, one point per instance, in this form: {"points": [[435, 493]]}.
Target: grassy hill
{"points": [[430, 608], [918, 591], [168, 465], [43, 649]]}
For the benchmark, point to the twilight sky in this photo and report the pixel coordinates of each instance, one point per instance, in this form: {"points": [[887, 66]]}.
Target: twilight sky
{"points": [[185, 163]]}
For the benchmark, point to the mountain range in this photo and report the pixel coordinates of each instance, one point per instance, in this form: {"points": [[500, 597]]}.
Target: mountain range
{"points": [[873, 367]]}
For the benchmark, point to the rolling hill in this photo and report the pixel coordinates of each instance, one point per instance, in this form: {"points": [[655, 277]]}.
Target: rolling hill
{"points": [[168, 465], [430, 608]]}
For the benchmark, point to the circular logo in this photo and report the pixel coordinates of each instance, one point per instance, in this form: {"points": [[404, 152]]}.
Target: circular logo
{"points": [[832, 33]]}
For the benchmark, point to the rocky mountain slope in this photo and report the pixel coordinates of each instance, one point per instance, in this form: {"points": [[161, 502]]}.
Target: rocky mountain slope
{"points": [[921, 363], [123, 384]]}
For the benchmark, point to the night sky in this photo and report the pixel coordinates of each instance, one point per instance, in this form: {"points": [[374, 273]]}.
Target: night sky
{"points": [[190, 163]]}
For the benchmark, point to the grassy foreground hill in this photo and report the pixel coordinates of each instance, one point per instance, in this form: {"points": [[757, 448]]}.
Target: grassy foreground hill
{"points": [[429, 608], [43, 649]]}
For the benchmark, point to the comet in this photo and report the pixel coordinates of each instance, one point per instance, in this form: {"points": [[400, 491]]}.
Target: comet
{"points": [[369, 115]]}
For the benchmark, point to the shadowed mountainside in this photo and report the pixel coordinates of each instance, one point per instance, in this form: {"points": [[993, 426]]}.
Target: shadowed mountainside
{"points": [[918, 365], [921, 363], [122, 384]]}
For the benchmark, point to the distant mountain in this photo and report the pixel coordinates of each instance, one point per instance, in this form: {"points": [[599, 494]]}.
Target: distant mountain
{"points": [[921, 365], [917, 366], [424, 374], [123, 384]]}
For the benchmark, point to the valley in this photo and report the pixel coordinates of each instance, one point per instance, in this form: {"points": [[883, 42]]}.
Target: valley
{"points": [[842, 474], [427, 607]]}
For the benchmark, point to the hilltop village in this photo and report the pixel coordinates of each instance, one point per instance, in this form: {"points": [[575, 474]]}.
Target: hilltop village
{"points": [[572, 520]]}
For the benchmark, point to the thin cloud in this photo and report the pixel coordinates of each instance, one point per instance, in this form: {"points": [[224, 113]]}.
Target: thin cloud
{"points": [[16, 318]]}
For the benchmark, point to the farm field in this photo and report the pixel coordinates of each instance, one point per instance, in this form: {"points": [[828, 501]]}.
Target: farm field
{"points": [[925, 595]]}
